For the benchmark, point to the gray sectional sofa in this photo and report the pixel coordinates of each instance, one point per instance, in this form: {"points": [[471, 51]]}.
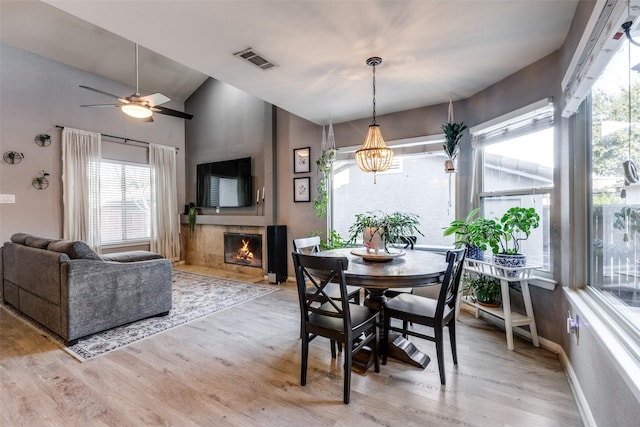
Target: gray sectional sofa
{"points": [[72, 291]]}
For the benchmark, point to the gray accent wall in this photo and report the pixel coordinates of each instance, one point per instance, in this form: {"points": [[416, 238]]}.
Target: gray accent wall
{"points": [[36, 94]]}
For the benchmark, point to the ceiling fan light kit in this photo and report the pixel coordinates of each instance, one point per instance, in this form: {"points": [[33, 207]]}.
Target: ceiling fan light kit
{"points": [[137, 111]]}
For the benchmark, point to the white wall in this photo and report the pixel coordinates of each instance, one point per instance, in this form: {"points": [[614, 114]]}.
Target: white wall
{"points": [[36, 94]]}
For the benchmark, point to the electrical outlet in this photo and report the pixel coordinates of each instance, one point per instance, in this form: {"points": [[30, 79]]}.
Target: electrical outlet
{"points": [[573, 326]]}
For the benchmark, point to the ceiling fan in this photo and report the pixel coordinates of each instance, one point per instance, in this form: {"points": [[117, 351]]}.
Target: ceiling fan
{"points": [[140, 107]]}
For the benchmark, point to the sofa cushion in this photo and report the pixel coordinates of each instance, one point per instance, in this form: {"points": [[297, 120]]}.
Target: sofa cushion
{"points": [[37, 242], [20, 238], [74, 249], [131, 256]]}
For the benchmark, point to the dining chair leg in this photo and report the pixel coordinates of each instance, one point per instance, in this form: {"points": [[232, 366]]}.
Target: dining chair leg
{"points": [[376, 348], [385, 339], [333, 349], [356, 299], [452, 338], [305, 358], [348, 357], [440, 352], [405, 326]]}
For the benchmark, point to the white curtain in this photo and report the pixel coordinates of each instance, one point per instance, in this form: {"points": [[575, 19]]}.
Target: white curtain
{"points": [[165, 238], [81, 156]]}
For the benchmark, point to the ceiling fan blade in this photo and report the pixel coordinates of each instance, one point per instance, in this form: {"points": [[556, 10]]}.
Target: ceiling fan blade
{"points": [[103, 92], [170, 112], [155, 99], [102, 105]]}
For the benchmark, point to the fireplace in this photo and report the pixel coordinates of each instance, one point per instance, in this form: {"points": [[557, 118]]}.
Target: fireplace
{"points": [[243, 249]]}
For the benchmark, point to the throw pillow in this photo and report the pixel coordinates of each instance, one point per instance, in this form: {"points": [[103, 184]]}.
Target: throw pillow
{"points": [[74, 249]]}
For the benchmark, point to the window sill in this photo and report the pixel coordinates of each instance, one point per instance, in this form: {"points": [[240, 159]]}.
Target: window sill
{"points": [[618, 344]]}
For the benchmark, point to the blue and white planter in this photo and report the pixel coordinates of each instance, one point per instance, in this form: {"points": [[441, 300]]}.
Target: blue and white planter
{"points": [[509, 261], [474, 252]]}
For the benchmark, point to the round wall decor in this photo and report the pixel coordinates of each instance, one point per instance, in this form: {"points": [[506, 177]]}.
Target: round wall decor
{"points": [[12, 157], [43, 140]]}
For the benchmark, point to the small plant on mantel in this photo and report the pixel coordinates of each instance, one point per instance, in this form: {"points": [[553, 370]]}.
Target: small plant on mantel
{"points": [[193, 215]]}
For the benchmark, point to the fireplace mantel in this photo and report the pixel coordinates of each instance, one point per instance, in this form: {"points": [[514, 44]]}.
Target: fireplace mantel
{"points": [[240, 220]]}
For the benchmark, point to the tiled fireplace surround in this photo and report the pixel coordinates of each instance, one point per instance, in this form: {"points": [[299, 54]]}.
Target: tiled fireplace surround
{"points": [[206, 247]]}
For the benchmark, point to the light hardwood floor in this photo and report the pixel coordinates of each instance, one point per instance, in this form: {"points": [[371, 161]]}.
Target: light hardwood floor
{"points": [[240, 367]]}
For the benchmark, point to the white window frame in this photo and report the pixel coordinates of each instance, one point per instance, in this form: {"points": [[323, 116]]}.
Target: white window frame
{"points": [[128, 242], [531, 118]]}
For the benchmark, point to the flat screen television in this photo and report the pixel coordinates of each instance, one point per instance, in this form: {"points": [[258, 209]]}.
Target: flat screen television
{"points": [[226, 184]]}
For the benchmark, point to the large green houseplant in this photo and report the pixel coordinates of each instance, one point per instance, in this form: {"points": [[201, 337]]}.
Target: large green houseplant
{"points": [[377, 228], [514, 227], [472, 233]]}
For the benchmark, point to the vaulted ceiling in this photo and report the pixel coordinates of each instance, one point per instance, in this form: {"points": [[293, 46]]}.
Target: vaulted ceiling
{"points": [[431, 49]]}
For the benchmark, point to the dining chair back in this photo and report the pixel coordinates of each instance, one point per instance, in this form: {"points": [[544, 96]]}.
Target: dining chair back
{"points": [[311, 245], [354, 326], [434, 313]]}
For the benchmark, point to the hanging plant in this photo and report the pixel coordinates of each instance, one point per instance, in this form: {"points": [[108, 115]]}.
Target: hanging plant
{"points": [[452, 135], [323, 164], [323, 172]]}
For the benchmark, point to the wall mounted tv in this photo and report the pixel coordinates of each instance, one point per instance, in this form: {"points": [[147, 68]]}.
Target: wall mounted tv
{"points": [[226, 184]]}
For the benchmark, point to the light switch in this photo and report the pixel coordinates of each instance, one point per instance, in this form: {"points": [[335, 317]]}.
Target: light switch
{"points": [[7, 198]]}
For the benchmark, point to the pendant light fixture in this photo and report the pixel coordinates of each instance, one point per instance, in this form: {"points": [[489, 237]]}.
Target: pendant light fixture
{"points": [[374, 155]]}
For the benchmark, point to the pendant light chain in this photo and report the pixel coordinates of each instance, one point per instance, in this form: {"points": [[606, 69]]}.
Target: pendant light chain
{"points": [[374, 94]]}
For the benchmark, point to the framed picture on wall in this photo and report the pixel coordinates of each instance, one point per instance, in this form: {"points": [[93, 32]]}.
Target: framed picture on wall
{"points": [[301, 189], [302, 160]]}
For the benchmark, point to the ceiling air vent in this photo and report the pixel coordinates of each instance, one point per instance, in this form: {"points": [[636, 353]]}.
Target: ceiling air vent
{"points": [[255, 58]]}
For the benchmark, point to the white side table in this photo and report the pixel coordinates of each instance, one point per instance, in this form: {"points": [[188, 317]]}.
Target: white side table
{"points": [[506, 275]]}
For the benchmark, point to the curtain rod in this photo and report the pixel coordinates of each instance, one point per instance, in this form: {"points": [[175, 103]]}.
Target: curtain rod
{"points": [[125, 140]]}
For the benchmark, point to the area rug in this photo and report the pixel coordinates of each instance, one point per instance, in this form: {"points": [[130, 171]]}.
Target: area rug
{"points": [[194, 296]]}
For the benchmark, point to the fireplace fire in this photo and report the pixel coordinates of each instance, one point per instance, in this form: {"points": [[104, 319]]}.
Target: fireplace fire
{"points": [[243, 249]]}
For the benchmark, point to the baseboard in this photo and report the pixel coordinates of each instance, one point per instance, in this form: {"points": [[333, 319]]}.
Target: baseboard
{"points": [[574, 383]]}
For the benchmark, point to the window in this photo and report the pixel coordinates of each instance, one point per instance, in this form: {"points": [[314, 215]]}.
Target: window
{"points": [[516, 169], [615, 205], [416, 183], [125, 196]]}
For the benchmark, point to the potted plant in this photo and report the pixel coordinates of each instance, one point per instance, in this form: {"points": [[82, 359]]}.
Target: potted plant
{"points": [[452, 135], [192, 214], [513, 227], [378, 229], [484, 290], [472, 233]]}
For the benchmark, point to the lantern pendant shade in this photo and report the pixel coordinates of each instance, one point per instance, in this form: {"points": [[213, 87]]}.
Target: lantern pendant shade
{"points": [[374, 155]]}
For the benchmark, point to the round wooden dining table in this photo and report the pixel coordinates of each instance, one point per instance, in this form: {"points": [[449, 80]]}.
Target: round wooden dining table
{"points": [[412, 269]]}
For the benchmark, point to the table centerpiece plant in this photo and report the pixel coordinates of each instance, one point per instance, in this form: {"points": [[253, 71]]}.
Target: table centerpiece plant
{"points": [[378, 230]]}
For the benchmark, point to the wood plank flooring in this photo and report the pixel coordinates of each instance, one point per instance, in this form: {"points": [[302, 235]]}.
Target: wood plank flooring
{"points": [[240, 367]]}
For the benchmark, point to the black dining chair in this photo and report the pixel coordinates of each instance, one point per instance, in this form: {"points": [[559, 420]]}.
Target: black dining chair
{"points": [[352, 325], [434, 313], [311, 245], [409, 242]]}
